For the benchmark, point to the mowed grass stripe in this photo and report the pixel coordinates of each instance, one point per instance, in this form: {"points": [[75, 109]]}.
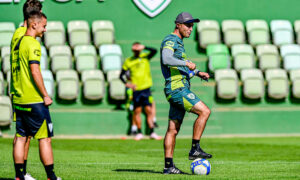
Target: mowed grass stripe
{"points": [[234, 158]]}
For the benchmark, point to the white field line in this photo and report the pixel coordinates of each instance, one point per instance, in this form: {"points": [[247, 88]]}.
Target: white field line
{"points": [[218, 109], [125, 137], [261, 109], [81, 110]]}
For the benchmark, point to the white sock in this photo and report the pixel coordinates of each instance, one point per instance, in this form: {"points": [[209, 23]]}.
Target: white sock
{"points": [[133, 128], [154, 119]]}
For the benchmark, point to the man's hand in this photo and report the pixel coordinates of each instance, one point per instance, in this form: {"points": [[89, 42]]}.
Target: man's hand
{"points": [[132, 86], [190, 65], [203, 75], [47, 101], [138, 47]]}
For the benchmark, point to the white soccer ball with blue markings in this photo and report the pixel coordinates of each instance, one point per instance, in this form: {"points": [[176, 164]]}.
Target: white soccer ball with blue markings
{"points": [[200, 167]]}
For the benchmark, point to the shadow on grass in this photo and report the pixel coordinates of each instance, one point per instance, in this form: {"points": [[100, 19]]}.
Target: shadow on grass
{"points": [[137, 170], [6, 179], [141, 171]]}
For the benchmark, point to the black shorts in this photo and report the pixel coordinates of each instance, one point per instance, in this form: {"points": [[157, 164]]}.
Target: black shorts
{"points": [[33, 120], [142, 98]]}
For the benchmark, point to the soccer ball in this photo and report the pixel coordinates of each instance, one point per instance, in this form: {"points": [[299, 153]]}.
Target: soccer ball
{"points": [[200, 167]]}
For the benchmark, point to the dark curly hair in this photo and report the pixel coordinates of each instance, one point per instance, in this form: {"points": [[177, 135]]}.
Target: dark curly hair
{"points": [[30, 6]]}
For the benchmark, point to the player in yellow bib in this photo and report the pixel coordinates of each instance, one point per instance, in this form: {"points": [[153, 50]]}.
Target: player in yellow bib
{"points": [[140, 82], [28, 7], [30, 98]]}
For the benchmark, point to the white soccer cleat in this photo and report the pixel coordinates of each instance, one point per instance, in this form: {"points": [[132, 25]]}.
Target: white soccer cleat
{"points": [[155, 136], [139, 136], [58, 178], [27, 176]]}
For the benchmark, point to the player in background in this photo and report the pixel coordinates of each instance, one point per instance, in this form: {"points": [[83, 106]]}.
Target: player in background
{"points": [[176, 70], [140, 82], [129, 107], [30, 98], [28, 7]]}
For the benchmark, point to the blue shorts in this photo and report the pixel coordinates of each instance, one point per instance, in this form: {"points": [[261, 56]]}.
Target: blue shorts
{"points": [[33, 120], [142, 98], [181, 100]]}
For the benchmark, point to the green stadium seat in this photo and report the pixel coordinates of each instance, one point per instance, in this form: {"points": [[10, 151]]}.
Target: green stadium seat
{"points": [[268, 56], [5, 51], [5, 56], [55, 34], [116, 86], [7, 30], [103, 32], [110, 75], [258, 32], [227, 83], [111, 57], [117, 89], [219, 57], [61, 58], [243, 56], [85, 57], [93, 84], [67, 84], [48, 82], [295, 79], [6, 112], [79, 33], [277, 83], [1, 84], [234, 32], [297, 30], [209, 33], [253, 83], [291, 56], [282, 32], [44, 58]]}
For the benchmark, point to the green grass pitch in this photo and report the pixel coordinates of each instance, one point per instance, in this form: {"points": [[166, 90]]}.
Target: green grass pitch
{"points": [[234, 158]]}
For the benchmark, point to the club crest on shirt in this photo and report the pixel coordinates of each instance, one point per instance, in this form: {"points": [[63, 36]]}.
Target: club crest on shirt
{"points": [[191, 96], [37, 52]]}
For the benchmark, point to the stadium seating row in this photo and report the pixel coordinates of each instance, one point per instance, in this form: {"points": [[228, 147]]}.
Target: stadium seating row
{"points": [[257, 30], [67, 82], [6, 112], [85, 58], [62, 81], [244, 57], [78, 33], [253, 83]]}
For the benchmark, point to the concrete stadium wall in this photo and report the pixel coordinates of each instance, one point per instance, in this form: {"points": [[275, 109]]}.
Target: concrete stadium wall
{"points": [[131, 23]]}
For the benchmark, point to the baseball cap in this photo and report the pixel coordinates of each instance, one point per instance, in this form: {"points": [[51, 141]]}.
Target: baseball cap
{"points": [[185, 17]]}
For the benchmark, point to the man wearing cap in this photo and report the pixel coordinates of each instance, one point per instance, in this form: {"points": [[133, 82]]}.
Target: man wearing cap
{"points": [[177, 71]]}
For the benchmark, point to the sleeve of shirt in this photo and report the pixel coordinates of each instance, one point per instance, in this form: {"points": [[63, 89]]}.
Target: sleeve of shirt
{"points": [[150, 54], [144, 54], [170, 60], [169, 44], [34, 54], [125, 65]]}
